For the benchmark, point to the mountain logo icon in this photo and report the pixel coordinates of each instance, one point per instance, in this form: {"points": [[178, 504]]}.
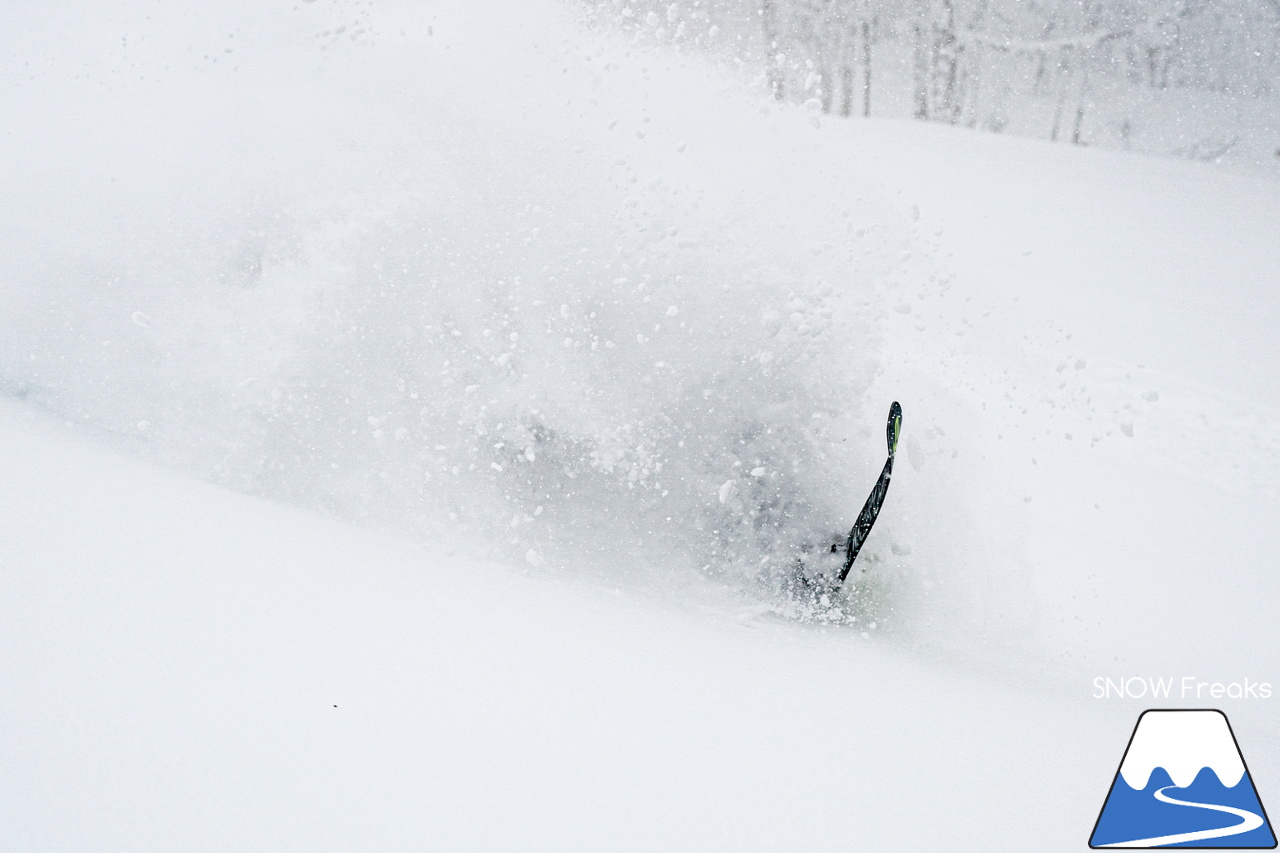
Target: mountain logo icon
{"points": [[1183, 783]]}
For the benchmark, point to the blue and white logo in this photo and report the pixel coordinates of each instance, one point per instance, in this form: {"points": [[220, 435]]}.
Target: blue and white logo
{"points": [[1183, 783]]}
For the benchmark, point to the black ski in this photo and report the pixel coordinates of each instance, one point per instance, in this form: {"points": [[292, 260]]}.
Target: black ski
{"points": [[871, 509]]}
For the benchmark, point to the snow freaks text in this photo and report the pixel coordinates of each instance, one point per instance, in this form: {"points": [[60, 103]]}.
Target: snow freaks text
{"points": [[1184, 687]]}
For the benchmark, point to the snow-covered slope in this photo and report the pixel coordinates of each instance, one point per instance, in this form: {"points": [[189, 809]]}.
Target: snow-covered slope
{"points": [[1094, 333], [618, 333], [186, 668]]}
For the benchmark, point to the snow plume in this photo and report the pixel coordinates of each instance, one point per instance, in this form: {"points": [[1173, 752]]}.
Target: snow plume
{"points": [[413, 271]]}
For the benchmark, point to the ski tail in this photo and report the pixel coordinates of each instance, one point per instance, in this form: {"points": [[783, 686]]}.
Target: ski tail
{"points": [[871, 509]]}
